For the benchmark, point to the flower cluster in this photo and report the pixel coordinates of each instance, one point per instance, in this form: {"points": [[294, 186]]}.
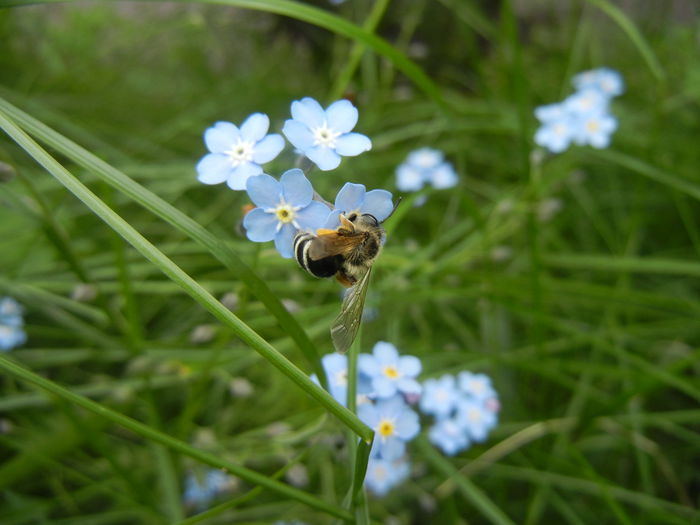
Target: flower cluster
{"points": [[200, 491], [425, 166], [583, 118], [465, 408], [285, 207], [12, 332]]}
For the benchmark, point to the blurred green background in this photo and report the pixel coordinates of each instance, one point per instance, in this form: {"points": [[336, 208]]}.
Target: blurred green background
{"points": [[571, 279]]}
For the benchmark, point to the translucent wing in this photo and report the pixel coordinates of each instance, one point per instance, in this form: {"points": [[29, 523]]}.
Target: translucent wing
{"points": [[347, 323], [334, 243]]}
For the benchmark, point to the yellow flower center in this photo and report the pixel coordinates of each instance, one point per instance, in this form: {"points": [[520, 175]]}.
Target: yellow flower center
{"points": [[385, 428], [592, 126], [391, 372], [285, 213]]}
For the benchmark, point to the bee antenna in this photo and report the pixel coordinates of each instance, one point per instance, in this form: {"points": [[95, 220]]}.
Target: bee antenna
{"points": [[394, 208]]}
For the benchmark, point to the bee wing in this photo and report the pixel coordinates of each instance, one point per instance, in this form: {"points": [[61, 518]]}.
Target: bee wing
{"points": [[334, 243], [347, 323]]}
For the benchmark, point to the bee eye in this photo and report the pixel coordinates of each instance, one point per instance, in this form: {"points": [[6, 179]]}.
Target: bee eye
{"points": [[352, 217], [371, 219]]}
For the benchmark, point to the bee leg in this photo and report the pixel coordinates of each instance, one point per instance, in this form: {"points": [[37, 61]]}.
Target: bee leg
{"points": [[346, 224], [344, 279]]}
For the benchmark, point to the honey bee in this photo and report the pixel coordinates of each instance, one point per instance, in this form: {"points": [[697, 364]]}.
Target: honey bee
{"points": [[347, 253]]}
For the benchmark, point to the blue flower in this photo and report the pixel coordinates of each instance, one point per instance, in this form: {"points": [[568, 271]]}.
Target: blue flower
{"points": [[236, 154], [558, 127], [440, 396], [201, 490], [12, 333], [394, 424], [383, 475], [606, 80], [477, 419], [284, 208], [596, 129], [425, 166], [389, 372], [354, 198], [324, 135], [477, 386], [449, 435], [336, 368]]}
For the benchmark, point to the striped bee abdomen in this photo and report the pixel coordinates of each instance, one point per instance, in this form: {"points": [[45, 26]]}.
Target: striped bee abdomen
{"points": [[325, 267]]}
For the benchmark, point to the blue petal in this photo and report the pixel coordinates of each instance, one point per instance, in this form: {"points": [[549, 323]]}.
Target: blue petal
{"points": [[239, 176], [443, 176], [325, 158], [407, 425], [284, 241], [255, 127], [313, 216], [368, 415], [352, 144], [298, 134], [392, 448], [214, 168], [333, 220], [385, 353], [383, 387], [408, 178], [260, 226], [308, 112], [378, 203], [296, 188], [268, 148], [409, 365], [367, 365], [341, 116], [221, 137], [350, 197], [264, 191], [409, 386]]}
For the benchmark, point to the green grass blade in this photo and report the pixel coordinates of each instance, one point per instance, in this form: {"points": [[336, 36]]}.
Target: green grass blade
{"points": [[179, 220], [196, 291], [151, 434]]}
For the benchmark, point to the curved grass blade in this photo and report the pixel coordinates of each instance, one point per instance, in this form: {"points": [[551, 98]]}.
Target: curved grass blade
{"points": [[174, 272], [179, 220], [153, 435]]}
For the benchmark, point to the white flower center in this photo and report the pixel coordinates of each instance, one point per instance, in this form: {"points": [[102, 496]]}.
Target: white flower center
{"points": [[474, 415], [592, 126], [325, 136], [240, 153], [341, 378], [560, 130]]}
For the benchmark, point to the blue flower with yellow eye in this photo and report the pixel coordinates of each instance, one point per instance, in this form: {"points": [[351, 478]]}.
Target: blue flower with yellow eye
{"points": [[425, 166], [284, 207], [393, 422], [389, 372], [449, 435], [324, 135], [354, 198], [440, 396], [237, 153], [12, 332], [336, 368], [608, 81]]}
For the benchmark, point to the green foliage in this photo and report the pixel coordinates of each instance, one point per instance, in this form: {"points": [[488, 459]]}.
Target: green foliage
{"points": [[570, 279]]}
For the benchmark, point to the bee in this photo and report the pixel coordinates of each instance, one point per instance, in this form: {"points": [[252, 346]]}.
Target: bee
{"points": [[347, 253]]}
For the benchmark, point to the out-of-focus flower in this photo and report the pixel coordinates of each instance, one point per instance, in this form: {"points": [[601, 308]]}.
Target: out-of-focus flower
{"points": [[389, 372], [476, 419], [448, 435], [354, 198], [325, 135], [440, 396], [394, 424], [606, 80], [201, 490], [477, 386], [383, 475], [12, 332], [237, 153], [425, 166], [596, 129], [284, 208]]}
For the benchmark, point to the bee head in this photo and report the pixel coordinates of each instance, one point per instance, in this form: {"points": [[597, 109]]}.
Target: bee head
{"points": [[362, 219]]}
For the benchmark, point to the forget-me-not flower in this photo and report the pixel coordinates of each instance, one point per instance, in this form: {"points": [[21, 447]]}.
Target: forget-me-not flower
{"points": [[354, 198], [336, 368], [237, 153], [383, 475], [394, 423], [389, 372], [477, 386], [476, 418], [12, 332], [425, 166], [283, 209], [199, 492], [606, 80], [448, 434], [440, 396], [325, 135]]}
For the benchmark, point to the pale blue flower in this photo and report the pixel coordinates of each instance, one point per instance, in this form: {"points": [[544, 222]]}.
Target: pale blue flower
{"points": [[393, 422], [237, 153], [201, 490], [353, 198], [596, 129], [585, 102], [336, 368], [449, 435], [477, 386], [383, 475], [389, 372], [284, 208], [606, 80], [12, 332], [425, 166], [440, 396], [477, 419], [325, 135]]}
